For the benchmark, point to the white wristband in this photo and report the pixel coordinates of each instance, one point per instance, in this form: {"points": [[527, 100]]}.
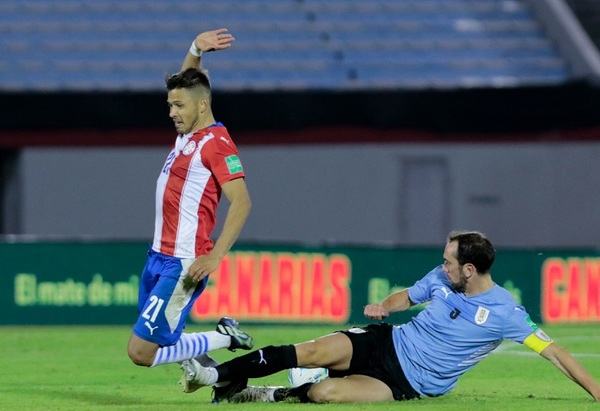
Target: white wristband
{"points": [[195, 50]]}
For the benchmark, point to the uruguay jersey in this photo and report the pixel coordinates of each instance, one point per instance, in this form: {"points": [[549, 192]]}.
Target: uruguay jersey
{"points": [[188, 191], [454, 332]]}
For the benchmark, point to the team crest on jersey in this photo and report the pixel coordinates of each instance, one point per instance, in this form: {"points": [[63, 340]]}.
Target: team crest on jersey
{"points": [[481, 315], [189, 148]]}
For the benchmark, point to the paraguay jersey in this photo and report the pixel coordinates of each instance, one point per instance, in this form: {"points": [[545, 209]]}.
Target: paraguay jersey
{"points": [[454, 332], [188, 190]]}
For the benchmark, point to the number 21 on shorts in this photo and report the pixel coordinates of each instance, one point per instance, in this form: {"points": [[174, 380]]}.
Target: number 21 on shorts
{"points": [[153, 309]]}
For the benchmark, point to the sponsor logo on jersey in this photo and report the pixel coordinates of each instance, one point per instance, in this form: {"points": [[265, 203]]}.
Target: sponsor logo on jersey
{"points": [[533, 325], [234, 164], [225, 140], [542, 335], [189, 148], [481, 315], [446, 292], [168, 162]]}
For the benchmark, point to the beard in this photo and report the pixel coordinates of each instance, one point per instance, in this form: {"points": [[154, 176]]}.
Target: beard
{"points": [[461, 285]]}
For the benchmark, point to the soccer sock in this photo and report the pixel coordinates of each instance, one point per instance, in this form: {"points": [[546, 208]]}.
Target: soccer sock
{"points": [[190, 346], [259, 363]]}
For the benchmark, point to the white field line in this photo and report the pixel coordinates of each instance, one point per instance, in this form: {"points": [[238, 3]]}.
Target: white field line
{"points": [[510, 347]]}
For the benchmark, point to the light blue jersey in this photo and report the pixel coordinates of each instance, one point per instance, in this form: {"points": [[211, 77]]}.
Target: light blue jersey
{"points": [[454, 332]]}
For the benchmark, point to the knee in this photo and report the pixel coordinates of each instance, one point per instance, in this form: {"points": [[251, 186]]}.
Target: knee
{"points": [[138, 357], [309, 354], [324, 392]]}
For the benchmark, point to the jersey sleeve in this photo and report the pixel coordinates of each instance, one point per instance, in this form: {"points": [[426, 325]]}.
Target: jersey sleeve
{"points": [[520, 328], [422, 290], [221, 157]]}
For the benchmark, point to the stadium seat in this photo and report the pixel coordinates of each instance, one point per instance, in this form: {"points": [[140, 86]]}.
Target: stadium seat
{"points": [[288, 44]]}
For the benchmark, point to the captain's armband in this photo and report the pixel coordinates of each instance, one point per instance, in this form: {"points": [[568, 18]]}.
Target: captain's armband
{"points": [[538, 341]]}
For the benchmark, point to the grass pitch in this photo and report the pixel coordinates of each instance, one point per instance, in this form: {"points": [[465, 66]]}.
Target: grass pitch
{"points": [[87, 368]]}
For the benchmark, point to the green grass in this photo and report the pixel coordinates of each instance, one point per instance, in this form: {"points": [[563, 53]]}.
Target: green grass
{"points": [[87, 368]]}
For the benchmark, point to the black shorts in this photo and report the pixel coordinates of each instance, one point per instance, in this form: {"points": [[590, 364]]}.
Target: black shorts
{"points": [[374, 355]]}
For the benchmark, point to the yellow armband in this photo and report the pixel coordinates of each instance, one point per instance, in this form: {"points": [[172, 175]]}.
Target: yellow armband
{"points": [[538, 341]]}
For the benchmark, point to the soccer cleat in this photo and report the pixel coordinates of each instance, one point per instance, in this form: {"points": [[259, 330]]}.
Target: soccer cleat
{"points": [[225, 392], [194, 376], [255, 394], [239, 339], [206, 360], [222, 391]]}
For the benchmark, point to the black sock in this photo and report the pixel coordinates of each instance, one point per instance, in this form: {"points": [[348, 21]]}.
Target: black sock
{"points": [[301, 392], [259, 363]]}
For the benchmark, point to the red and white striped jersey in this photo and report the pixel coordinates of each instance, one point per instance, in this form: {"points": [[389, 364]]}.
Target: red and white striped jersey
{"points": [[189, 188]]}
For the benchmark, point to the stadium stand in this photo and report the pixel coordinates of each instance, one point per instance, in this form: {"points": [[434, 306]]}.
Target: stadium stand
{"points": [[588, 12], [86, 45]]}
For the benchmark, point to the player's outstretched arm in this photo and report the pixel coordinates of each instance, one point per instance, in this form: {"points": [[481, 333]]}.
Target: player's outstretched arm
{"points": [[205, 42], [565, 362], [397, 301]]}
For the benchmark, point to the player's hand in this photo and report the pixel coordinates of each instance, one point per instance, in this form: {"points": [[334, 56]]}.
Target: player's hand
{"points": [[203, 266], [214, 40], [375, 312]]}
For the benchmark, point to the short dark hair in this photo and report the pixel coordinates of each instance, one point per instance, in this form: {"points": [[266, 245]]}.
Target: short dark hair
{"points": [[474, 248], [190, 78]]}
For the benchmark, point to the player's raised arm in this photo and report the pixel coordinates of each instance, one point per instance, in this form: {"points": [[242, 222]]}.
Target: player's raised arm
{"points": [[205, 42], [565, 362]]}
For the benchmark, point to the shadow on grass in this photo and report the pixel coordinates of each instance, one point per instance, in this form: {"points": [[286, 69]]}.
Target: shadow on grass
{"points": [[85, 398]]}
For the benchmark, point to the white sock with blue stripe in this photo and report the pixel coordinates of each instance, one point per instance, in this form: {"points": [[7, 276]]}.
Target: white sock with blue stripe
{"points": [[190, 346]]}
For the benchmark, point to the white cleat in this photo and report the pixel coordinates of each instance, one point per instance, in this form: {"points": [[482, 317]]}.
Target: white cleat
{"points": [[255, 394], [206, 360], [194, 376]]}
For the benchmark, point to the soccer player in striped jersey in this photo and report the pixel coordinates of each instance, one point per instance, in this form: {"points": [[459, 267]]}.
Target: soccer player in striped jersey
{"points": [[203, 163], [467, 317]]}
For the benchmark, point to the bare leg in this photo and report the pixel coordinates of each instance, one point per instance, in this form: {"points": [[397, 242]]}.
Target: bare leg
{"points": [[333, 351], [140, 351], [354, 388]]}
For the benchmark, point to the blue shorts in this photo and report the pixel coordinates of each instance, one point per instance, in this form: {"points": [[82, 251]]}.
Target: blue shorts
{"points": [[166, 296]]}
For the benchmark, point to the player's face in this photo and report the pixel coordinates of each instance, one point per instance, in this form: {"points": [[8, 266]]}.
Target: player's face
{"points": [[452, 268], [183, 110]]}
